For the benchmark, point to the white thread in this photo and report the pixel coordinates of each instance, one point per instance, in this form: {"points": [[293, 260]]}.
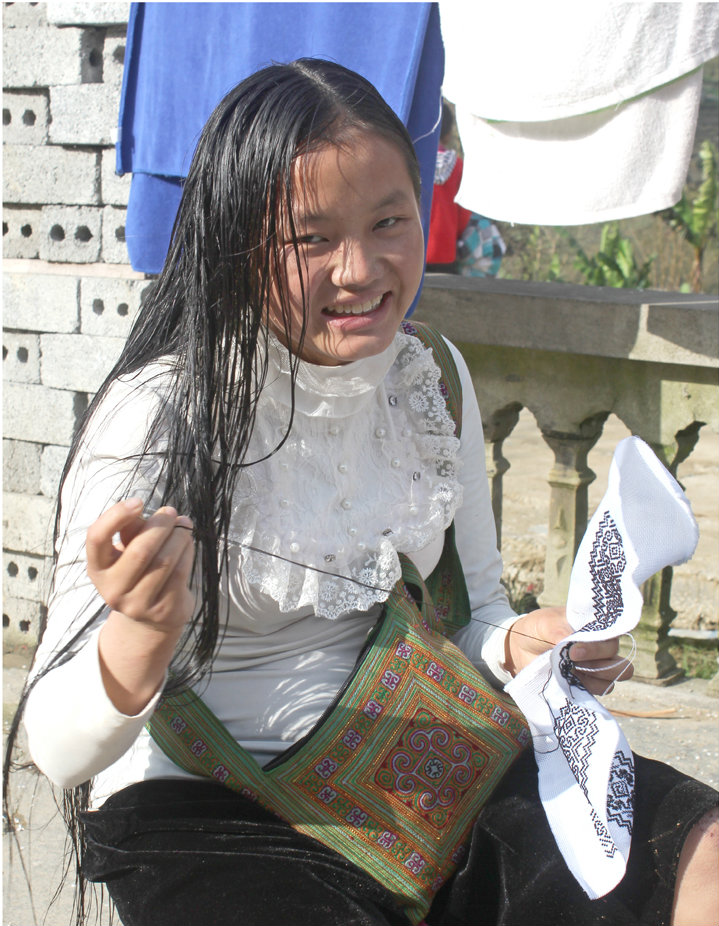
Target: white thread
{"points": [[626, 661]]}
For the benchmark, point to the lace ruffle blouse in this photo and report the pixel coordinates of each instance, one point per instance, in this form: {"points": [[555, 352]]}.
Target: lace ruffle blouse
{"points": [[370, 468]]}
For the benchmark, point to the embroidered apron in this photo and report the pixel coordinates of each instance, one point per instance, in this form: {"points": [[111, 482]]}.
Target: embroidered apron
{"points": [[395, 772]]}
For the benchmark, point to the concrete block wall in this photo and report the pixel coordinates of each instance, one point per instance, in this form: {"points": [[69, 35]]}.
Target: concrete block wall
{"points": [[69, 294]]}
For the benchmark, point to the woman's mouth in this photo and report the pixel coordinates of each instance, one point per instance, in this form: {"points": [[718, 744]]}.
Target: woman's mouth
{"points": [[358, 308]]}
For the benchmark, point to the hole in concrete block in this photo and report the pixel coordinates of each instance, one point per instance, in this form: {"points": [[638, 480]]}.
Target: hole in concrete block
{"points": [[123, 309], [12, 569], [29, 117], [5, 620], [95, 58], [5, 228], [6, 117], [4, 352], [82, 233], [31, 573], [26, 231], [98, 306], [120, 233], [118, 55], [22, 354], [24, 626], [57, 233]]}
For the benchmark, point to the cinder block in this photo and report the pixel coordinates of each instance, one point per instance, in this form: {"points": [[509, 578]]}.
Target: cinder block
{"points": [[22, 466], [114, 247], [50, 174], [114, 190], [77, 362], [109, 306], [84, 114], [22, 15], [71, 234], [41, 415], [21, 232], [25, 576], [49, 57], [41, 302], [85, 13], [21, 620], [113, 62], [20, 357], [24, 118], [52, 462], [27, 523]]}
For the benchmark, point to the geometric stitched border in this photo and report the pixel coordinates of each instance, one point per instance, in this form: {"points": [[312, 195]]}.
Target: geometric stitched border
{"points": [[607, 563]]}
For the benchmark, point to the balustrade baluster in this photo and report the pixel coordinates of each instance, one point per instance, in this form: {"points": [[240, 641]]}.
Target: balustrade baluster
{"points": [[497, 428], [569, 479], [653, 662]]}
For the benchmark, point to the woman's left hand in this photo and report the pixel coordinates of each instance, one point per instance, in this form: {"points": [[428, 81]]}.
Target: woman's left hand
{"points": [[538, 631]]}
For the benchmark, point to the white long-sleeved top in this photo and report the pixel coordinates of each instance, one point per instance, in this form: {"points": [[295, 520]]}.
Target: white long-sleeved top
{"points": [[371, 467]]}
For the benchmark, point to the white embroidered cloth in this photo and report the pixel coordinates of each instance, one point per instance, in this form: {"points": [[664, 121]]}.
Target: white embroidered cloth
{"points": [[586, 771], [313, 529]]}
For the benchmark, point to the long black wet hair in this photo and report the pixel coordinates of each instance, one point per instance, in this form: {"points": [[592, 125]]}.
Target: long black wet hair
{"points": [[208, 312]]}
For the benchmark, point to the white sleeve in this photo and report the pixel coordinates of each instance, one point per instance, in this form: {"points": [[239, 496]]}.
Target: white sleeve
{"points": [[73, 729], [482, 640]]}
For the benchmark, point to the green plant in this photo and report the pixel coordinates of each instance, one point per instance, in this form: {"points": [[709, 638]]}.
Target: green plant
{"points": [[695, 215], [615, 263], [534, 249], [697, 661]]}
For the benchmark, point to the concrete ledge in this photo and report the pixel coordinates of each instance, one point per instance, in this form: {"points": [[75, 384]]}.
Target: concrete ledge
{"points": [[598, 321]]}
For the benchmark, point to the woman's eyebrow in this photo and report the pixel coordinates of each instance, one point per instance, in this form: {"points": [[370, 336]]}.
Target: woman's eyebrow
{"points": [[394, 198]]}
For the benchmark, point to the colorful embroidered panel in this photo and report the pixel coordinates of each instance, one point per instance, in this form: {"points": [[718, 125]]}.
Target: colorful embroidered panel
{"points": [[394, 777]]}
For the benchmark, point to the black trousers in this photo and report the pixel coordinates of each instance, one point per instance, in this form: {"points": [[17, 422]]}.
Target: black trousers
{"points": [[192, 853]]}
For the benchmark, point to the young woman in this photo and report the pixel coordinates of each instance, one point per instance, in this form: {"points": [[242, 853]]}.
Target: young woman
{"points": [[262, 485]]}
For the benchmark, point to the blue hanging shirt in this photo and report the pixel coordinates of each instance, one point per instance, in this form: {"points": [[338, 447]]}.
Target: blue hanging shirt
{"points": [[182, 58]]}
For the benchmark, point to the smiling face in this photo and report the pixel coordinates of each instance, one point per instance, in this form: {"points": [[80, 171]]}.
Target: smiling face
{"points": [[361, 250]]}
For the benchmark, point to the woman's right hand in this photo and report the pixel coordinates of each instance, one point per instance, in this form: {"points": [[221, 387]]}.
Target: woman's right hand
{"points": [[144, 578]]}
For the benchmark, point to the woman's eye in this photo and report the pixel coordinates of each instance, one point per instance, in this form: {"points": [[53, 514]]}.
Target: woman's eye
{"points": [[389, 222], [310, 239]]}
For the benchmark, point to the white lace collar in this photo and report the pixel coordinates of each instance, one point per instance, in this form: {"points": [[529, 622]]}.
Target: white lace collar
{"points": [[367, 471], [328, 392]]}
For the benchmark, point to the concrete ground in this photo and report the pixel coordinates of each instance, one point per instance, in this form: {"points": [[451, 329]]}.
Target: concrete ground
{"points": [[677, 724]]}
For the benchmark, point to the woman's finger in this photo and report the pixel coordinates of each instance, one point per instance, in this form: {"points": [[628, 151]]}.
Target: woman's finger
{"points": [[592, 651], [169, 564], [137, 557], [99, 547]]}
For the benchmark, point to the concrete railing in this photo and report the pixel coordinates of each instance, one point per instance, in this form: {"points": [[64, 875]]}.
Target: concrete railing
{"points": [[573, 355]]}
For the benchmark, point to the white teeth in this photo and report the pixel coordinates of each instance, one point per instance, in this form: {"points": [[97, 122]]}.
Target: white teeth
{"points": [[361, 309]]}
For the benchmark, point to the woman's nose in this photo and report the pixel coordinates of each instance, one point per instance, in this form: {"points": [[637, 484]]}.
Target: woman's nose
{"points": [[356, 263]]}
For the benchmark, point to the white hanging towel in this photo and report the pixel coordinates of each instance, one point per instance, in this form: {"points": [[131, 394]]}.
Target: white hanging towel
{"points": [[587, 112], [586, 772]]}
